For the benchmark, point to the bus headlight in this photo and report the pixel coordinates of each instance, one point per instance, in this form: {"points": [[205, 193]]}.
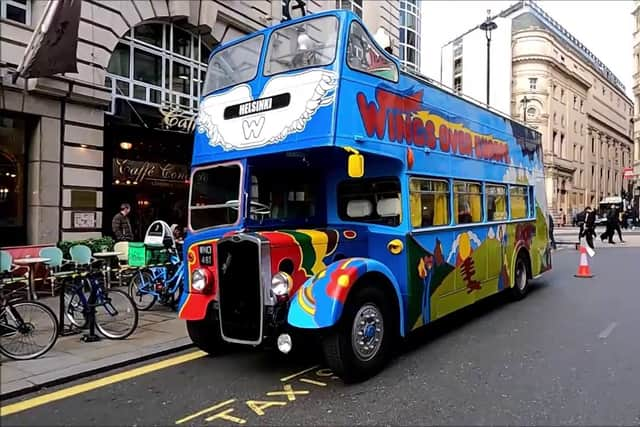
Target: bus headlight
{"points": [[281, 282], [198, 279]]}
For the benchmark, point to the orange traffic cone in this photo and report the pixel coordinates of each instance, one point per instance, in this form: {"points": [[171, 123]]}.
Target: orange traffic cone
{"points": [[584, 270]]}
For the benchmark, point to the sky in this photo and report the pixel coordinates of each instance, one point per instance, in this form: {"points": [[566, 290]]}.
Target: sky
{"points": [[604, 27]]}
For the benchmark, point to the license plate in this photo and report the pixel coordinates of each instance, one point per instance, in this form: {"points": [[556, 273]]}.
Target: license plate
{"points": [[205, 253]]}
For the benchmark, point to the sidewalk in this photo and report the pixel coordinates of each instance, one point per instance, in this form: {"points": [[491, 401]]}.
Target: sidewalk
{"points": [[159, 332]]}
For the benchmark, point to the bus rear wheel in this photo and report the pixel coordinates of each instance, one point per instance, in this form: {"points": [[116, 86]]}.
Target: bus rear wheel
{"points": [[520, 279], [359, 346], [206, 335]]}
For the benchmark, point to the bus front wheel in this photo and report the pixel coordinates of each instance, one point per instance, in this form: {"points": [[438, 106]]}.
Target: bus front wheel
{"points": [[360, 344], [205, 334]]}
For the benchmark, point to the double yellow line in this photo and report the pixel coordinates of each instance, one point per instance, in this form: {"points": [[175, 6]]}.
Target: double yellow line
{"points": [[95, 384]]}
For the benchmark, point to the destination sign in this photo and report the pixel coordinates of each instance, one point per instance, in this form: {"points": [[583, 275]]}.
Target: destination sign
{"points": [[257, 106]]}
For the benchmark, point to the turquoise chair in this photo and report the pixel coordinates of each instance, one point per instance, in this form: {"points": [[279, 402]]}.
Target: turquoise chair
{"points": [[56, 263], [7, 269], [81, 255]]}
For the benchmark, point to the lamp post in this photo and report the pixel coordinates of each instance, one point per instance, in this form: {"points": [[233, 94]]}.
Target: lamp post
{"points": [[524, 101], [487, 26]]}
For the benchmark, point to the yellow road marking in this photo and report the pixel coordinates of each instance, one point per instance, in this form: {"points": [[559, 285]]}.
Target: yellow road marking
{"points": [[92, 385], [308, 381], [204, 411], [298, 373]]}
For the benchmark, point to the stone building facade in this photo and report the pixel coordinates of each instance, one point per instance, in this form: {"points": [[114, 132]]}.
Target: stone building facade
{"points": [[73, 147], [636, 95], [562, 89]]}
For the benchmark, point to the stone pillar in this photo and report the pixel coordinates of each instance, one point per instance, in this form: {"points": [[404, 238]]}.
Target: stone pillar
{"points": [[43, 198]]}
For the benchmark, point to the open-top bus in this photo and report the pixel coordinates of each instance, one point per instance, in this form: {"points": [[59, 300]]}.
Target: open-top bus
{"points": [[336, 195]]}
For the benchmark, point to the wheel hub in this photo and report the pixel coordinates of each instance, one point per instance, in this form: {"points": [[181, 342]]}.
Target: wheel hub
{"points": [[367, 332]]}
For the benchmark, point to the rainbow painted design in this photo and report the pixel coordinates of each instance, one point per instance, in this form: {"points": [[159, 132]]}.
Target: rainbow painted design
{"points": [[320, 300]]}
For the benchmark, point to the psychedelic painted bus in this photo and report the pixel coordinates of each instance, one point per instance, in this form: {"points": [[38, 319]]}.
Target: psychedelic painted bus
{"points": [[337, 196]]}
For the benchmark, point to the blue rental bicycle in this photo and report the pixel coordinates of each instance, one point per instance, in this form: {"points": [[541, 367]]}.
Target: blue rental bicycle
{"points": [[161, 282]]}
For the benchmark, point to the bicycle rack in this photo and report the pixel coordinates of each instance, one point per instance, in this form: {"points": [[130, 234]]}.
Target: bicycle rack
{"points": [[91, 318]]}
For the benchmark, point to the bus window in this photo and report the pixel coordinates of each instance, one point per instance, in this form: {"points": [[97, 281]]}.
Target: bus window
{"points": [[310, 43], [215, 196], [519, 201], [496, 202], [362, 55], [467, 202], [233, 65], [429, 202], [375, 200]]}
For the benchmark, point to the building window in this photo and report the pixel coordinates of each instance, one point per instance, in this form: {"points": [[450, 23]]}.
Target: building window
{"points": [[429, 200], [561, 95], [582, 154], [575, 102], [555, 118], [533, 83], [160, 64], [16, 10], [575, 126], [353, 5], [562, 152], [410, 30]]}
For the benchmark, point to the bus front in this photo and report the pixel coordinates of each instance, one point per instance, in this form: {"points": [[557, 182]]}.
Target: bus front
{"points": [[262, 152]]}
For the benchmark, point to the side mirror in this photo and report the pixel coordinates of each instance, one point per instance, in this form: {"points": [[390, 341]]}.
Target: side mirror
{"points": [[355, 165]]}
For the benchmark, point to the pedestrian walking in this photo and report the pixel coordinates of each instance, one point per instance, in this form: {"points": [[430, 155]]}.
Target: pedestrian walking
{"points": [[618, 219], [580, 218], [551, 238], [563, 218], [589, 226], [611, 220], [120, 224]]}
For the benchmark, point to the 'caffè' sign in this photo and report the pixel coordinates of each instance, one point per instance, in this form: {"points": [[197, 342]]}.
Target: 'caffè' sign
{"points": [[133, 172], [177, 119]]}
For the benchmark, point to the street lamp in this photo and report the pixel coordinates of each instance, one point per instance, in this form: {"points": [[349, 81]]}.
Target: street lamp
{"points": [[524, 101], [487, 26]]}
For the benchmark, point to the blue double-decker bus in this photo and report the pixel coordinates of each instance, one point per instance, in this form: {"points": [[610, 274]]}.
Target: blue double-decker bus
{"points": [[337, 196]]}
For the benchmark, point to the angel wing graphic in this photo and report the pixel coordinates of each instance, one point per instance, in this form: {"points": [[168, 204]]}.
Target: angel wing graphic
{"points": [[310, 90]]}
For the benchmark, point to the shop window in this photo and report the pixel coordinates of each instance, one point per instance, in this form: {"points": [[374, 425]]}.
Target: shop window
{"points": [[467, 202], [519, 202], [16, 10], [496, 202], [429, 201], [375, 200]]}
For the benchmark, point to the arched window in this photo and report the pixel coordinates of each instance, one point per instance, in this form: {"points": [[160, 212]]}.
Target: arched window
{"points": [[159, 64]]}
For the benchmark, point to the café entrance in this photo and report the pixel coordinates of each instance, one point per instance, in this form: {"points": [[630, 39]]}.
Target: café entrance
{"points": [[149, 169]]}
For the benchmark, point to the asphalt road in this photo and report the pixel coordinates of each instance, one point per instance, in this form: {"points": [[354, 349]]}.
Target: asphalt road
{"points": [[567, 354]]}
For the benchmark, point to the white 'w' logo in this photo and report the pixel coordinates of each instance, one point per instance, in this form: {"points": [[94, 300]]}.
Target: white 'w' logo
{"points": [[252, 128]]}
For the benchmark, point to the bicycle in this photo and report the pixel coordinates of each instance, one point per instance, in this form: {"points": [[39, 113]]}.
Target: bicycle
{"points": [[22, 324], [149, 284], [115, 314]]}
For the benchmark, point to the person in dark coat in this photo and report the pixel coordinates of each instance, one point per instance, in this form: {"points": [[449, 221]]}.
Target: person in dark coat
{"points": [[617, 221], [589, 226], [552, 240], [611, 220], [121, 226]]}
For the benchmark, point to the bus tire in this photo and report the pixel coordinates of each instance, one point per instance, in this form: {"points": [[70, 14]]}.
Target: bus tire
{"points": [[520, 278], [205, 334], [360, 344]]}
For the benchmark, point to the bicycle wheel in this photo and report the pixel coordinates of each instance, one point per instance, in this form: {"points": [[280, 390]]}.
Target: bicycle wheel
{"points": [[116, 315], [74, 307], [29, 330], [140, 286]]}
